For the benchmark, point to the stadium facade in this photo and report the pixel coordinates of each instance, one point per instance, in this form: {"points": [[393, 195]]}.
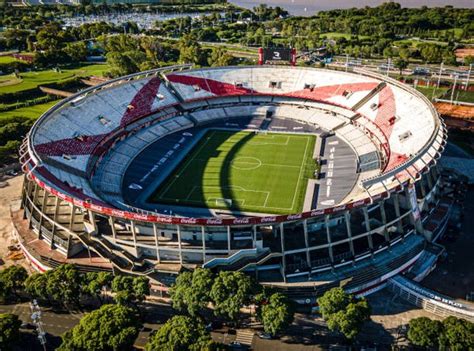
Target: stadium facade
{"points": [[375, 211]]}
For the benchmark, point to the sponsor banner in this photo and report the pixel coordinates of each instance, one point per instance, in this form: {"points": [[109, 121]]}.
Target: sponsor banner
{"points": [[431, 295], [202, 221]]}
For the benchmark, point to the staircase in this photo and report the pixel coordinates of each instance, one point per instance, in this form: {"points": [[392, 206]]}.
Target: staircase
{"points": [[369, 96], [238, 260], [245, 336]]}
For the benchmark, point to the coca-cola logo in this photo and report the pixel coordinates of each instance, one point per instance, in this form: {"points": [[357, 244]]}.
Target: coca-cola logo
{"points": [[141, 217], [340, 208], [164, 219], [78, 202], [241, 221], [214, 221], [358, 203], [96, 208], [268, 219], [294, 216], [188, 221], [317, 212]]}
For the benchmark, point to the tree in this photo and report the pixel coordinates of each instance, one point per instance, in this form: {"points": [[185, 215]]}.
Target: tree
{"points": [[277, 314], [424, 332], [191, 291], [35, 286], [190, 51], [13, 279], [63, 284], [458, 334], [9, 330], [130, 290], [219, 57], [180, 333], [94, 283], [344, 312], [76, 51], [469, 60], [111, 327], [401, 64], [230, 292], [332, 301], [350, 320]]}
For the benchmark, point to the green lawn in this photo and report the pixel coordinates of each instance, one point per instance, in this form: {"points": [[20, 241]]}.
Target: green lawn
{"points": [[432, 92], [460, 95], [30, 80], [337, 35], [30, 111], [7, 59], [265, 173]]}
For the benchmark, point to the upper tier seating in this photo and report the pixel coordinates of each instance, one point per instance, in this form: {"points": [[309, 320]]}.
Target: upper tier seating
{"points": [[105, 110], [393, 126], [261, 80]]}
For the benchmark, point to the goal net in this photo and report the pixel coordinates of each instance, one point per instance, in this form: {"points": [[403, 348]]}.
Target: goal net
{"points": [[223, 202]]}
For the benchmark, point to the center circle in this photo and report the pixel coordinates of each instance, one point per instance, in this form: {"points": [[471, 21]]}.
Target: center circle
{"points": [[246, 163]]}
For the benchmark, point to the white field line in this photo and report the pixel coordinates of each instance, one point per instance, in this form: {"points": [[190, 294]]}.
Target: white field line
{"points": [[186, 165], [301, 166], [303, 163], [262, 164]]}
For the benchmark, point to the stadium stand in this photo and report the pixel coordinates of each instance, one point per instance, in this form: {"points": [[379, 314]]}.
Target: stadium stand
{"points": [[141, 126]]}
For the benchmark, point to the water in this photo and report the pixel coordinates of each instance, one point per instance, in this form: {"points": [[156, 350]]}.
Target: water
{"points": [[310, 7], [143, 20]]}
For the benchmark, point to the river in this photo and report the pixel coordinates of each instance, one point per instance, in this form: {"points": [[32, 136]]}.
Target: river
{"points": [[310, 7]]}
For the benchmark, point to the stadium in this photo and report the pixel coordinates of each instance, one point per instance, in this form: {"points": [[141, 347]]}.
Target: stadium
{"points": [[304, 178]]}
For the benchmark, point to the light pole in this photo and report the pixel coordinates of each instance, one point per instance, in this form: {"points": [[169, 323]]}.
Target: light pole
{"points": [[454, 87], [468, 76], [36, 318], [439, 74]]}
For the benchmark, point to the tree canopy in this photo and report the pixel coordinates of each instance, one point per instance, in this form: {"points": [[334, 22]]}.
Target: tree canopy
{"points": [[180, 333], [276, 313], [450, 334], [130, 290], [111, 327], [9, 330], [191, 291], [230, 292], [344, 312], [62, 284], [12, 280]]}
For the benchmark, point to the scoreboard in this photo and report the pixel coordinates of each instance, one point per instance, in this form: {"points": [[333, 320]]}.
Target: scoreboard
{"points": [[276, 55]]}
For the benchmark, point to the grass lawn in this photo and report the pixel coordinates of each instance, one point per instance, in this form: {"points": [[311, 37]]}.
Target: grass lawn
{"points": [[461, 95], [7, 59], [30, 80], [428, 91], [30, 111], [243, 171], [337, 35]]}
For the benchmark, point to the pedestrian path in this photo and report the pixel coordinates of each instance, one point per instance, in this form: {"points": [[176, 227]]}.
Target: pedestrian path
{"points": [[245, 336]]}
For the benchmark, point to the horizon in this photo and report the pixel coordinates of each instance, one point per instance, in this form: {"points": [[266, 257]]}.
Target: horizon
{"points": [[310, 8]]}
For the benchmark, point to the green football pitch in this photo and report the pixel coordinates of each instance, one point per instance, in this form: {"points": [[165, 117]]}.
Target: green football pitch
{"points": [[243, 171]]}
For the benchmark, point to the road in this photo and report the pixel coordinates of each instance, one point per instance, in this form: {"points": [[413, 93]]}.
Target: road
{"points": [[304, 334]]}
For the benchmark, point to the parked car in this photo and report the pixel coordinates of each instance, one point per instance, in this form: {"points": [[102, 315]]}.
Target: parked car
{"points": [[263, 335]]}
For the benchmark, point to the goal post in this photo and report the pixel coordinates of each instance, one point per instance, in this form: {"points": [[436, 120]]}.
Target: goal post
{"points": [[261, 131], [223, 202]]}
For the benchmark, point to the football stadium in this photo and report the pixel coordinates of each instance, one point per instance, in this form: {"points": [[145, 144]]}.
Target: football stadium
{"points": [[304, 178]]}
